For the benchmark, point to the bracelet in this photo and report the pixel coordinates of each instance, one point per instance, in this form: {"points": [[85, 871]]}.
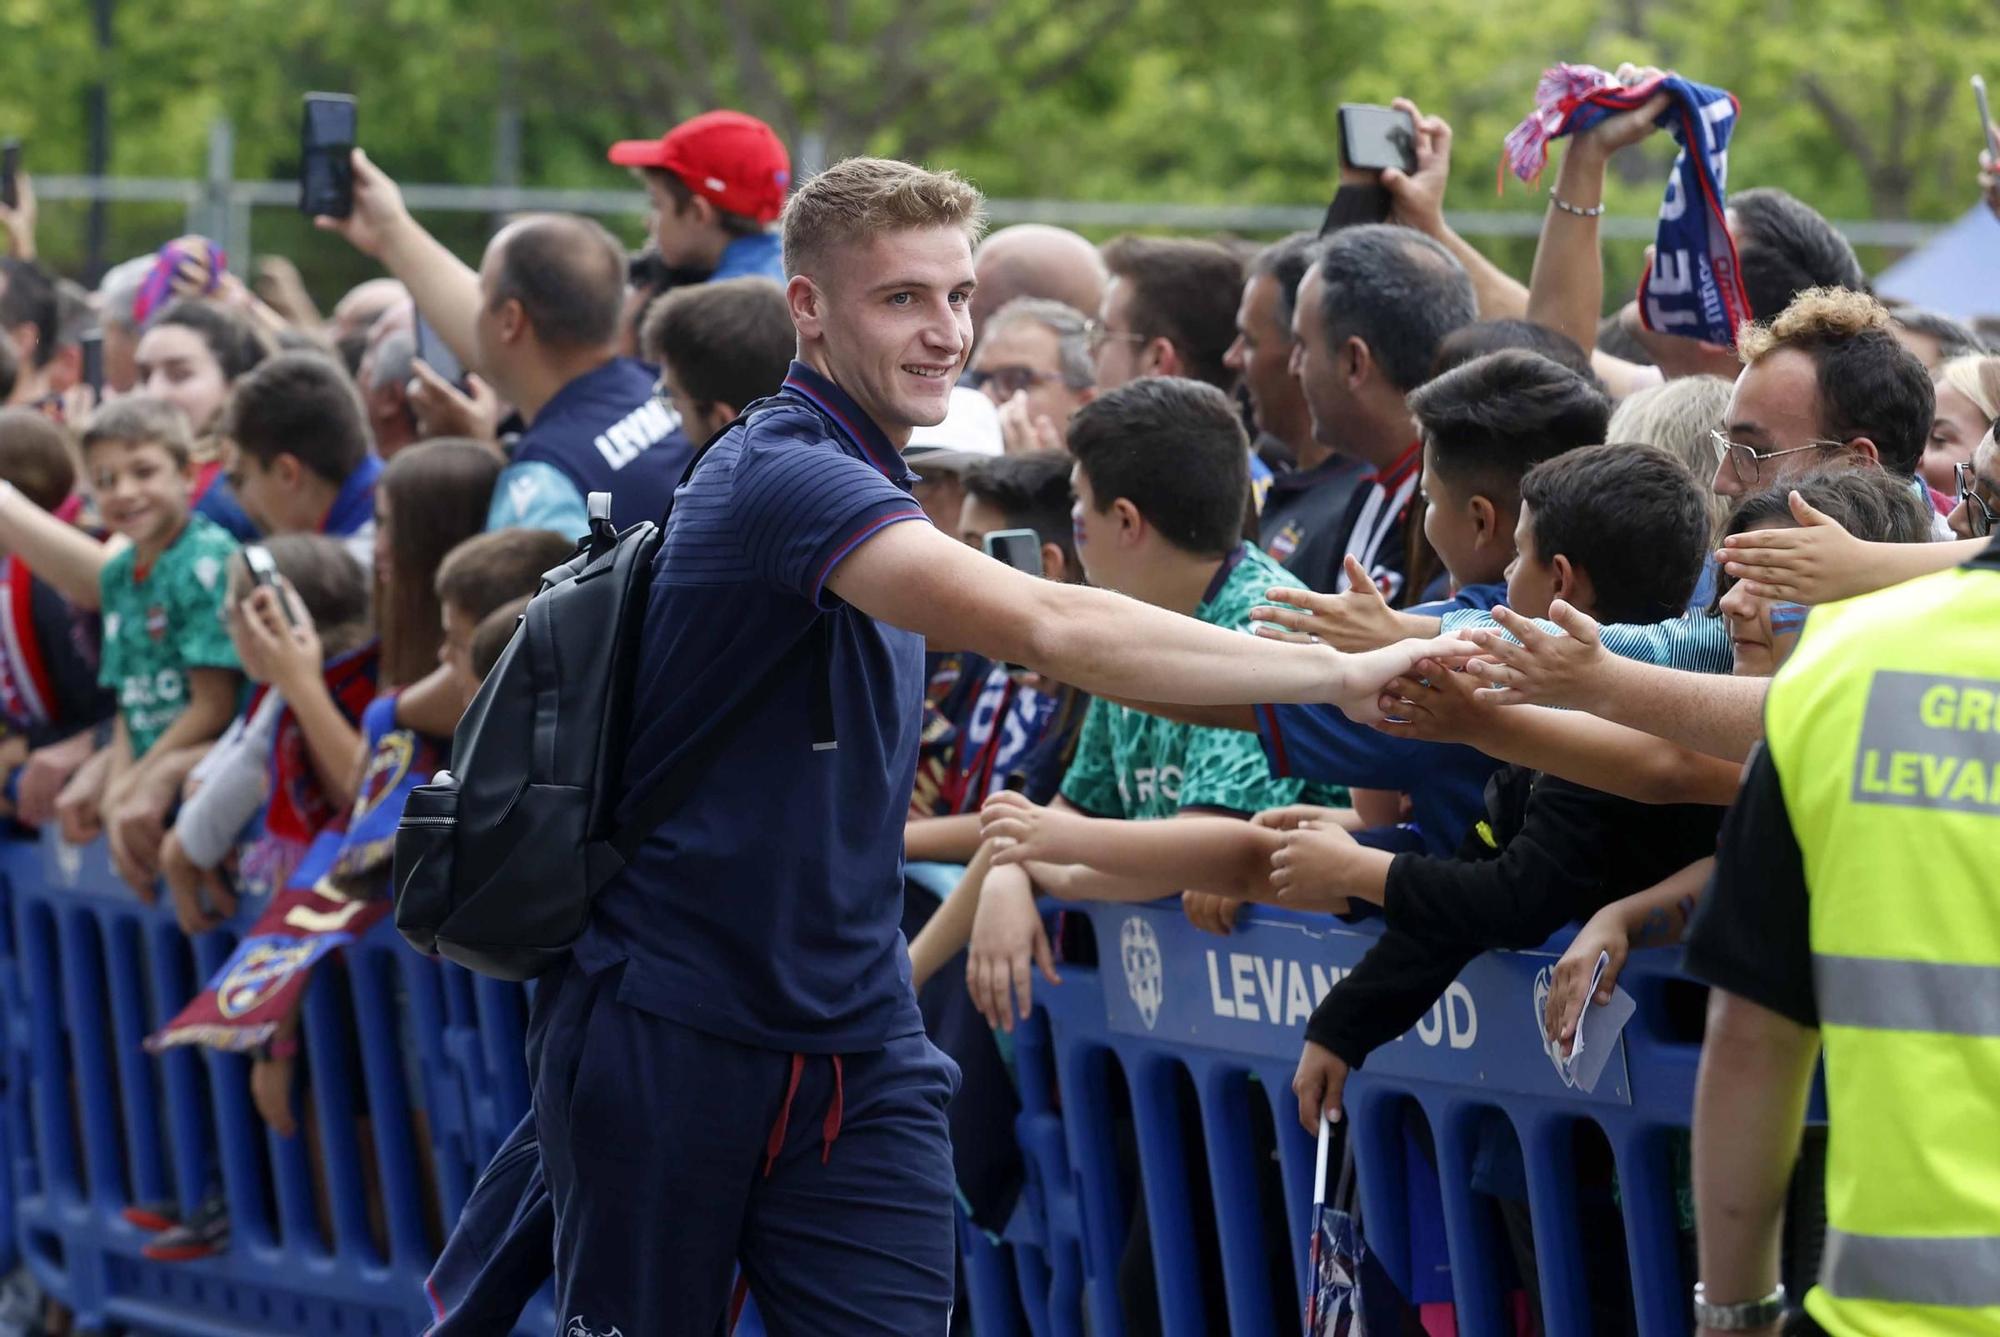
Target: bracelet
{"points": [[1568, 208], [1746, 1316]]}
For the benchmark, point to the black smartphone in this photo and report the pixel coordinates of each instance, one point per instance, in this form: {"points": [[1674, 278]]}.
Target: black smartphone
{"points": [[1018, 548], [326, 148], [437, 354], [1373, 139], [10, 174], [93, 361], [264, 574]]}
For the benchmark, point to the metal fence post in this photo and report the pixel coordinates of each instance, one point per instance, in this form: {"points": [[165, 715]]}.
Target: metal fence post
{"points": [[219, 208]]}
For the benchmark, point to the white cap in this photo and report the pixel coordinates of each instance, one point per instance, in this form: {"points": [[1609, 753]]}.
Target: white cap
{"points": [[971, 428]]}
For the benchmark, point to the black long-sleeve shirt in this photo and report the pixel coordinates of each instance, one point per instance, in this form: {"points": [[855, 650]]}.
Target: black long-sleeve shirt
{"points": [[1548, 852]]}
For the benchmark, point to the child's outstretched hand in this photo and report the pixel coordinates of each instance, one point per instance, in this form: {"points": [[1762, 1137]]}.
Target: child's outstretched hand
{"points": [[1308, 869], [1023, 830]]}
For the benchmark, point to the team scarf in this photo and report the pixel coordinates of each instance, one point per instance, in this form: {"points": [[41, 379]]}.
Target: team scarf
{"points": [[27, 694], [1695, 287], [334, 897], [298, 808]]}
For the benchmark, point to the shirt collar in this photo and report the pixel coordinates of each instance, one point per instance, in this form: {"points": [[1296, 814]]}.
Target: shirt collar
{"points": [[757, 254], [855, 425], [1223, 573], [1405, 464], [354, 505]]}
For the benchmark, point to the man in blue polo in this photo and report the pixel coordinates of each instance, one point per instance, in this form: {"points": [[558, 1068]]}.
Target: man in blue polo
{"points": [[732, 1069], [539, 321]]}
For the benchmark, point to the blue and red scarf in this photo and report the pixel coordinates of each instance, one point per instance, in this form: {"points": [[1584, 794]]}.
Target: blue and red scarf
{"points": [[1695, 287]]}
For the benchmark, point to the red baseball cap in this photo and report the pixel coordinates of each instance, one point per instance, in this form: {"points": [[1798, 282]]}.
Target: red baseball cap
{"points": [[733, 161]]}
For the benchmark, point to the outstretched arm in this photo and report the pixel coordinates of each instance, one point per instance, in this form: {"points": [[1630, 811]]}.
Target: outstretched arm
{"points": [[445, 290], [57, 551], [913, 577], [1722, 716], [1445, 707], [1195, 851], [1820, 562]]}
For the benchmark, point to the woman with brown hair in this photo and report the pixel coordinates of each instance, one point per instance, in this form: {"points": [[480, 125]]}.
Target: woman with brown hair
{"points": [[430, 498]]}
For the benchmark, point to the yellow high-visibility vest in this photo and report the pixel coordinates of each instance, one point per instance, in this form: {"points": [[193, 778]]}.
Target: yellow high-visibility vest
{"points": [[1885, 731]]}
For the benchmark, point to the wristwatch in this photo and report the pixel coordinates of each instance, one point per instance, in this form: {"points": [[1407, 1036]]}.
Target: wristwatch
{"points": [[1746, 1316]]}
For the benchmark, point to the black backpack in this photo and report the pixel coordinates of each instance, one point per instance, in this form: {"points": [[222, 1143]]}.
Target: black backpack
{"points": [[497, 859]]}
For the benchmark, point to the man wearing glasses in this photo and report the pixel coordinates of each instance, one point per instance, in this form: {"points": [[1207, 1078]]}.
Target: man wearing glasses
{"points": [[1977, 514], [1825, 385], [1033, 361]]}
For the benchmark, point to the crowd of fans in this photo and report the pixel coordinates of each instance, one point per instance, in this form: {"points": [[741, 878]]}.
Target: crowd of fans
{"points": [[269, 549]]}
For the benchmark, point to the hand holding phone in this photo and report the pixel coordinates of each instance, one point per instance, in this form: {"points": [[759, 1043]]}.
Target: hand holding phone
{"points": [[264, 574], [326, 148], [10, 173], [1374, 139]]}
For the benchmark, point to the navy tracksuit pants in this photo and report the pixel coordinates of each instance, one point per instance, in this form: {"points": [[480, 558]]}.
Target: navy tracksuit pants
{"points": [[671, 1155]]}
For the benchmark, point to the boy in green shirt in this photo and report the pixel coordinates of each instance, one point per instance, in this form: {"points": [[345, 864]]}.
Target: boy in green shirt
{"points": [[167, 653], [1161, 482]]}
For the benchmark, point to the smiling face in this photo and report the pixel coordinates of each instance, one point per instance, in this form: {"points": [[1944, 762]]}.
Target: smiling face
{"points": [[889, 320], [1955, 429], [1985, 490], [1761, 632], [174, 363], [141, 491]]}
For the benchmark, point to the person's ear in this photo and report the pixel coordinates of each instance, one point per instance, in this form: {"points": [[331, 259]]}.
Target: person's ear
{"points": [[289, 469], [1055, 564], [513, 320], [802, 296], [703, 211], [1865, 448], [1131, 524], [1356, 361], [1486, 520], [1562, 578], [1160, 358]]}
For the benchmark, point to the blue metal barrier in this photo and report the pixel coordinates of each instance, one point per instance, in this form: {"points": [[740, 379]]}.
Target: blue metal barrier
{"points": [[416, 1074], [1171, 1012], [1177, 1050]]}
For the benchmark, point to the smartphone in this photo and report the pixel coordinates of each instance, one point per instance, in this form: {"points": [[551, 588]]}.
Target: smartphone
{"points": [[437, 354], [1988, 141], [93, 361], [1375, 138], [326, 147], [1018, 548], [264, 574], [10, 174]]}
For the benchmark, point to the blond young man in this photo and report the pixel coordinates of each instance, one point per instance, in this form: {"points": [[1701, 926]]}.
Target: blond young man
{"points": [[732, 1069]]}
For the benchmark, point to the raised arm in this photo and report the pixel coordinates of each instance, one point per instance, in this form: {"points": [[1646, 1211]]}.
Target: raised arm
{"points": [[57, 551], [912, 576], [445, 290], [1566, 288], [1418, 202]]}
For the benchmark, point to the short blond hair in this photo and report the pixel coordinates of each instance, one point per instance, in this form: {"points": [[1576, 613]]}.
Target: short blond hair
{"points": [[859, 199], [1816, 316], [1978, 379]]}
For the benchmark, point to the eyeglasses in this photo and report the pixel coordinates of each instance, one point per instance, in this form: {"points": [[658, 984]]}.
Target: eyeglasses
{"points": [[1009, 381], [1979, 517], [1744, 460], [1095, 336]]}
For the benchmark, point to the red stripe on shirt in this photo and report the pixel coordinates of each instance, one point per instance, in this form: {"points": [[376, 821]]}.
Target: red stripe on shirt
{"points": [[868, 530]]}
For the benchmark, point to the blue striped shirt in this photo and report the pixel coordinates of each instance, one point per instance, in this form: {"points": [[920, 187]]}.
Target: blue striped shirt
{"points": [[1693, 641], [767, 909]]}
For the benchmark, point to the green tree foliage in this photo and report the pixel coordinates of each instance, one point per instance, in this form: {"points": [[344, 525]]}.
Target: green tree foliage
{"points": [[1857, 106]]}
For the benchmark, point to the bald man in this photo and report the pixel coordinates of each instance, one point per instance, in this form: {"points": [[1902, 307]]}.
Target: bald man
{"points": [[1035, 260], [539, 322]]}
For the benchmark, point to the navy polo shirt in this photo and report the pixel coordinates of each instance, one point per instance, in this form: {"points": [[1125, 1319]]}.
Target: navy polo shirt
{"points": [[605, 431], [767, 909]]}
